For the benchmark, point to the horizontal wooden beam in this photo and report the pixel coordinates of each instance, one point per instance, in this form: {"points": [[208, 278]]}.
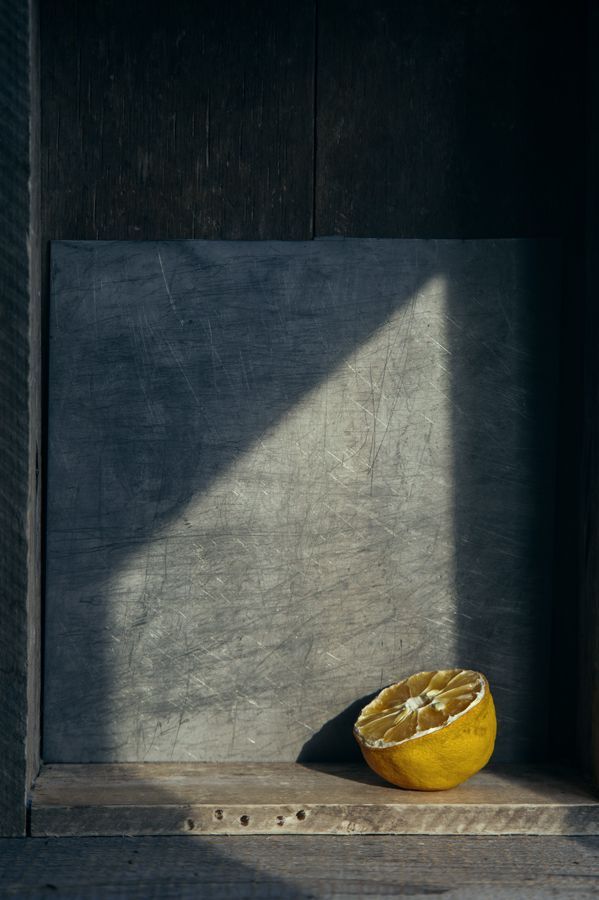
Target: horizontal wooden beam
{"points": [[179, 868], [278, 798]]}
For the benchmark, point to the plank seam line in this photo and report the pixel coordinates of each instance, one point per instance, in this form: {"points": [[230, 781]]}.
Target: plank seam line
{"points": [[315, 120]]}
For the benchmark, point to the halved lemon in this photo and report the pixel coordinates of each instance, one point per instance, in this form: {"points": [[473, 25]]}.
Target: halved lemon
{"points": [[430, 731]]}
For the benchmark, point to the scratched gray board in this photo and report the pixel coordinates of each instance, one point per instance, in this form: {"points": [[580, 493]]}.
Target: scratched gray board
{"points": [[282, 475]]}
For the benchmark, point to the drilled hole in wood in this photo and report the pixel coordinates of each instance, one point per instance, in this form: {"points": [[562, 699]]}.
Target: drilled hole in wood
{"points": [[300, 814], [245, 820], [280, 820], [218, 814], [190, 824]]}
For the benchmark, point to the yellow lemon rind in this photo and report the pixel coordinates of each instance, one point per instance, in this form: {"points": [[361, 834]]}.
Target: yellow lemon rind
{"points": [[441, 757]]}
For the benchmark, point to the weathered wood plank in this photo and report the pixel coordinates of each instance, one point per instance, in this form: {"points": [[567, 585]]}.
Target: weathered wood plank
{"points": [[19, 414], [439, 119], [177, 122], [134, 784], [284, 868], [228, 798], [253, 490]]}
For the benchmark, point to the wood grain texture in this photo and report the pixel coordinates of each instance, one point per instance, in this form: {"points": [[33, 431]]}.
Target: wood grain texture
{"points": [[227, 798], [439, 119], [282, 867], [255, 512], [189, 122], [19, 415]]}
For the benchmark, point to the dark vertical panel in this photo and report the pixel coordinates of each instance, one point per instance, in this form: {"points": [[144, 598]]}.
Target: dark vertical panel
{"points": [[182, 120], [445, 119], [34, 512], [589, 546], [19, 407]]}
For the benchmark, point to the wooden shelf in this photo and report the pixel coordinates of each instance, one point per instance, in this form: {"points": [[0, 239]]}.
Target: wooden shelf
{"points": [[276, 798]]}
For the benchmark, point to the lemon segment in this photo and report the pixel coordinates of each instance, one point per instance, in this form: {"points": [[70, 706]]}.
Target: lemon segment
{"points": [[430, 731]]}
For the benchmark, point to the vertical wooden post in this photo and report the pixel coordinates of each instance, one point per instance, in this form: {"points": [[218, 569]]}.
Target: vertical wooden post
{"points": [[589, 720], [19, 412]]}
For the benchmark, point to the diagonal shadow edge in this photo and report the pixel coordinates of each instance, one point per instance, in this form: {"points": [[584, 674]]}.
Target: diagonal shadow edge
{"points": [[90, 338], [503, 421]]}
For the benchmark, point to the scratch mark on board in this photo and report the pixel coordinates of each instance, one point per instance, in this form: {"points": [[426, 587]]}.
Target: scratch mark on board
{"points": [[168, 291]]}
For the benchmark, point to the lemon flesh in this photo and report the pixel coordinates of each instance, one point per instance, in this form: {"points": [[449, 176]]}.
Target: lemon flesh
{"points": [[430, 731]]}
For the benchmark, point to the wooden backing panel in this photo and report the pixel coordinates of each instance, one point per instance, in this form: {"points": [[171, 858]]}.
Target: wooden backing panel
{"points": [[269, 799], [19, 417], [439, 119], [171, 122], [281, 866]]}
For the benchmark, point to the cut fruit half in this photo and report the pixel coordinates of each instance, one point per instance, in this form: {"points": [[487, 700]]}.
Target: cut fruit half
{"points": [[430, 731]]}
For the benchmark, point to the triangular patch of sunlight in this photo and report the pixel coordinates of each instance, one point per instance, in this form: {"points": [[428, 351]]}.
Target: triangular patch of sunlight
{"points": [[317, 568]]}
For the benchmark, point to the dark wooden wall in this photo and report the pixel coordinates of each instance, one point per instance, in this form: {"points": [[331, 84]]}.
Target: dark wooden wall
{"points": [[283, 120], [178, 120], [450, 118]]}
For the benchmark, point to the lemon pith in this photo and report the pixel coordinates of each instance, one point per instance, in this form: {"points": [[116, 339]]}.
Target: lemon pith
{"points": [[430, 731]]}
